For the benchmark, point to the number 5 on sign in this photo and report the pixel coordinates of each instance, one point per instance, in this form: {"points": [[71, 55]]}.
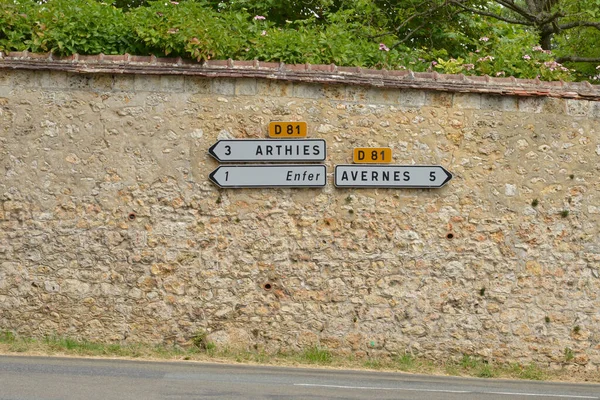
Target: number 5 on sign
{"points": [[287, 129], [372, 155]]}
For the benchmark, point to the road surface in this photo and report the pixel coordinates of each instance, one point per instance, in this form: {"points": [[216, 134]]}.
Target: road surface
{"points": [[45, 378]]}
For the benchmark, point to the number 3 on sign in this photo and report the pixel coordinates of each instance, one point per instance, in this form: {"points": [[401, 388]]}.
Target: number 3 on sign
{"points": [[287, 129]]}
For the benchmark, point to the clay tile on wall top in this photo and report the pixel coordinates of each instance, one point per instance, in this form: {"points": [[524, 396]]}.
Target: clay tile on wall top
{"points": [[39, 56], [247, 64], [120, 58], [452, 77], [139, 59], [425, 75], [268, 65], [321, 68], [373, 72], [330, 73], [399, 73], [298, 67], [17, 54], [89, 58], [217, 63], [168, 60], [476, 78]]}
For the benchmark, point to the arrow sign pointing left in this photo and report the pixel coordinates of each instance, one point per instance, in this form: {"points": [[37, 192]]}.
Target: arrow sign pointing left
{"points": [[281, 175], [391, 176], [257, 150]]}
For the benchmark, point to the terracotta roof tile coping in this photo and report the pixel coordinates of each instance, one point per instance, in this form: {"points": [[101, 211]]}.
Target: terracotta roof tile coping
{"points": [[309, 73]]}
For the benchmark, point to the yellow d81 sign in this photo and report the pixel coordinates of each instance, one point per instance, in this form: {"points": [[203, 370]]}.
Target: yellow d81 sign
{"points": [[372, 155], [287, 129]]}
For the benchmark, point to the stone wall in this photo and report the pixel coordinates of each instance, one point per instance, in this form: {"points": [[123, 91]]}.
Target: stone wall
{"points": [[110, 229]]}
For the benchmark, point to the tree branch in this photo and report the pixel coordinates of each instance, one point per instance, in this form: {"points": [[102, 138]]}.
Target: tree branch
{"points": [[408, 36], [489, 14], [414, 31], [548, 4], [532, 6], [430, 11], [548, 18], [578, 59], [577, 24], [510, 4], [406, 21]]}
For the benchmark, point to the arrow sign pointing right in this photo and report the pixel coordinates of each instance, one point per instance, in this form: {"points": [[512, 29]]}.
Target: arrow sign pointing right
{"points": [[391, 176]]}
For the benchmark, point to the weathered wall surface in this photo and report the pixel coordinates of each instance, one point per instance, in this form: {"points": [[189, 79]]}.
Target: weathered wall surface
{"points": [[110, 229]]}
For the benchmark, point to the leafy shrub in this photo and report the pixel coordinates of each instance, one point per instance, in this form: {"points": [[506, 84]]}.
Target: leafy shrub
{"points": [[350, 33], [509, 53], [66, 27], [15, 25], [188, 30]]}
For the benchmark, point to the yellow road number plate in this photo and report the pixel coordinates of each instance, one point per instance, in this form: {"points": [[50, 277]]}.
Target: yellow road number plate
{"points": [[287, 129], [372, 155]]}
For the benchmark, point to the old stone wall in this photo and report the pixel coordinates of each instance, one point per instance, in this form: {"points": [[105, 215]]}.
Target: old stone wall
{"points": [[110, 229]]}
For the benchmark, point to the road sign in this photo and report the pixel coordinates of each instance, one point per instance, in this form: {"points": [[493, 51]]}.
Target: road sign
{"points": [[287, 129], [281, 175], [271, 150], [372, 155], [391, 176]]}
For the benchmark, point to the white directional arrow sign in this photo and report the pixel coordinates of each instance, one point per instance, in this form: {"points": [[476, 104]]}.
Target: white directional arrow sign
{"points": [[281, 175], [391, 176], [276, 150]]}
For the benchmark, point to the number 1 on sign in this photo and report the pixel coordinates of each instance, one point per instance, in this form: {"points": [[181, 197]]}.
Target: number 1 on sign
{"points": [[378, 156]]}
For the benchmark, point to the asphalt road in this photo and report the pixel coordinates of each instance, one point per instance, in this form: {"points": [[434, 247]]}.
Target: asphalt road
{"points": [[43, 378]]}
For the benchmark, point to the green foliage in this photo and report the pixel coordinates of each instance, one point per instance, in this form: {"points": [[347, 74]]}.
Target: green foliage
{"points": [[581, 41], [532, 372], [466, 366], [65, 27], [468, 362], [126, 4], [507, 52], [200, 340], [7, 337], [15, 25], [277, 11], [473, 366], [485, 371], [366, 33], [317, 355], [373, 364], [453, 66], [569, 355], [406, 362]]}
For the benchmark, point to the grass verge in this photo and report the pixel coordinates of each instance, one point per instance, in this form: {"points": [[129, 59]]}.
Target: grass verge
{"points": [[202, 350]]}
